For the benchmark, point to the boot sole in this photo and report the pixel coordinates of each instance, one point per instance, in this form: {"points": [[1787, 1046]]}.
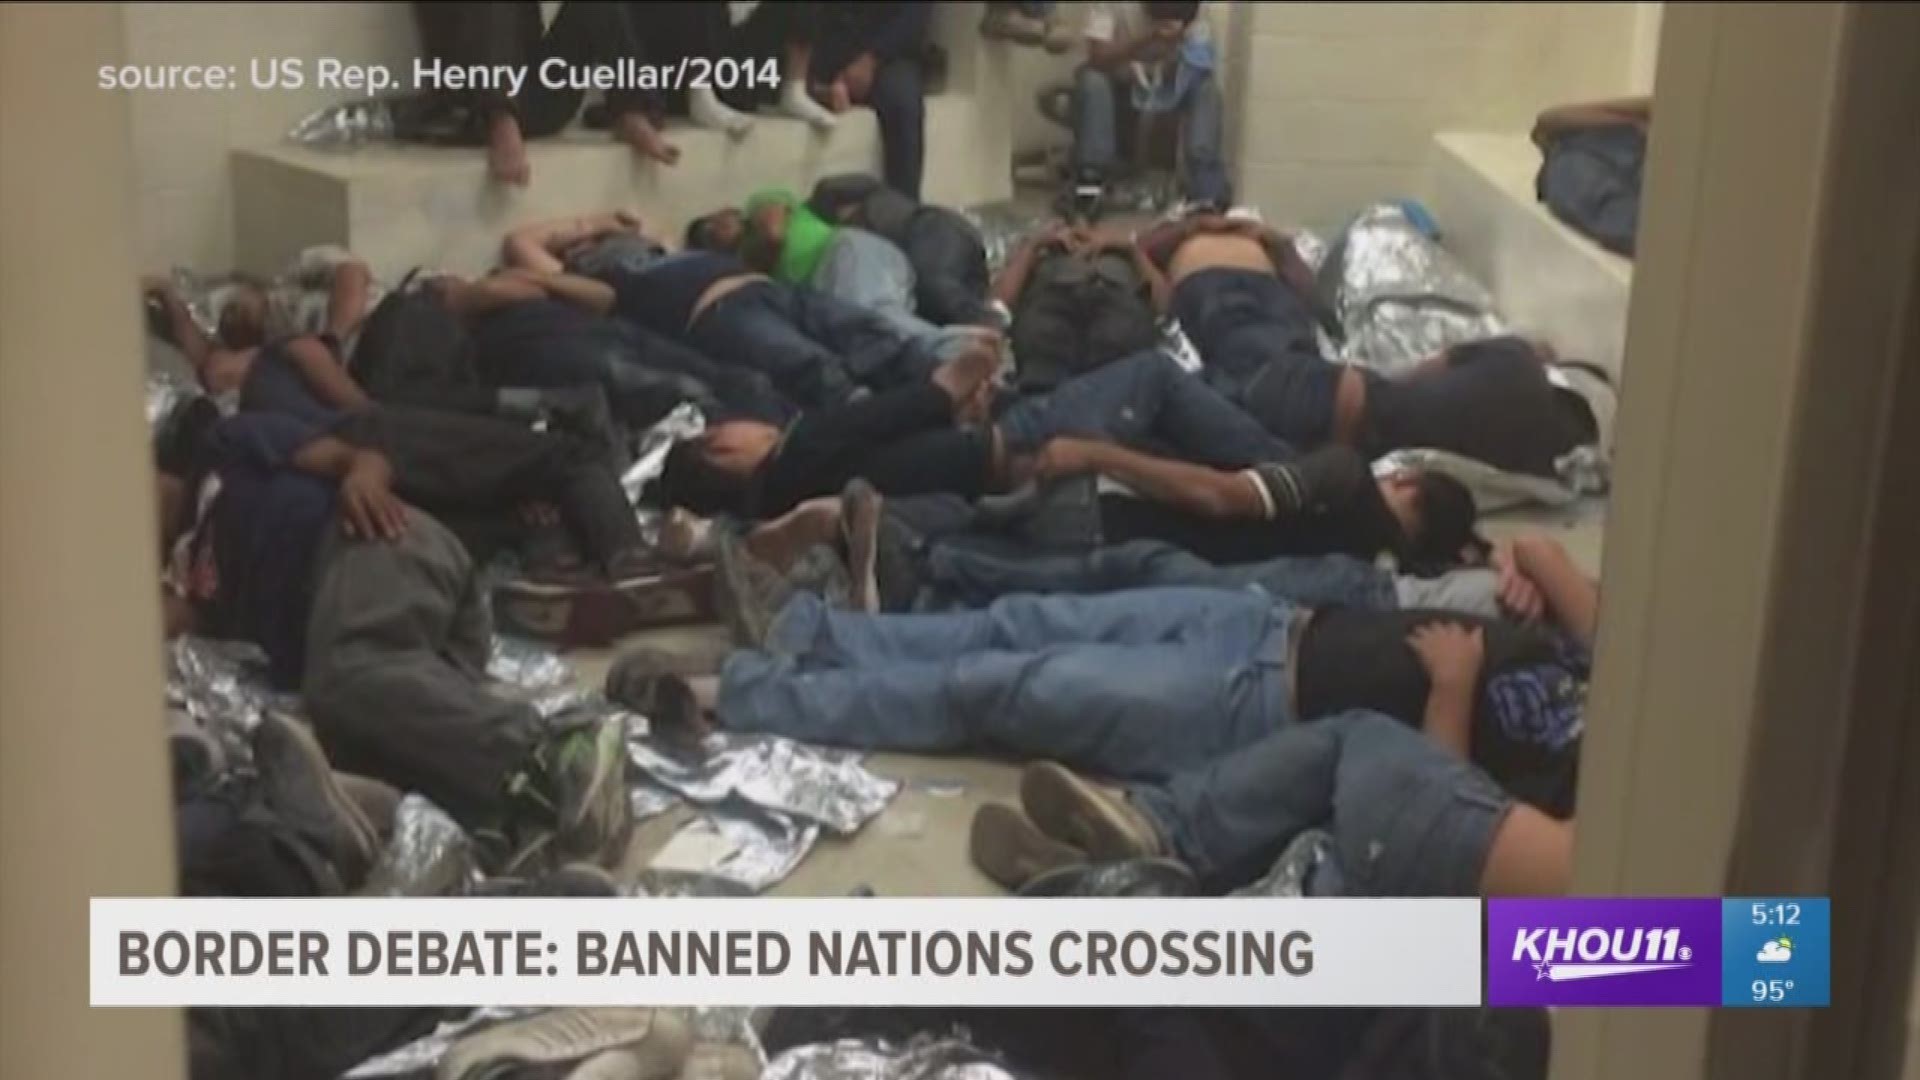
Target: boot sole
{"points": [[350, 826], [1011, 850], [1071, 810]]}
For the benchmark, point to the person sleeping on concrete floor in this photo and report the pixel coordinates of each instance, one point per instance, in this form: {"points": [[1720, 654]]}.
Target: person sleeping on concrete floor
{"points": [[1140, 684], [816, 349], [1253, 499], [1247, 301], [297, 540]]}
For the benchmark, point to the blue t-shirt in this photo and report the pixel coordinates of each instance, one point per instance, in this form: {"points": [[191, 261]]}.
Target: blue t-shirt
{"points": [[660, 297], [264, 530]]}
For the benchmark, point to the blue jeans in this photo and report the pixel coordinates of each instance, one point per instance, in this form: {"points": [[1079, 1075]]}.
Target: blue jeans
{"points": [[1258, 339], [1136, 684], [1144, 400], [544, 345], [1407, 818], [815, 348], [1096, 111], [973, 576]]}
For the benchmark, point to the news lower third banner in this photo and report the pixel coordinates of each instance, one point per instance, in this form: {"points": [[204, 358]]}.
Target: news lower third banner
{"points": [[799, 952], [1753, 952]]}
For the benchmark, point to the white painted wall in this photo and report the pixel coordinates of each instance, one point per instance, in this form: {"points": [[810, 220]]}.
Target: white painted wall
{"points": [[181, 138], [1339, 101]]}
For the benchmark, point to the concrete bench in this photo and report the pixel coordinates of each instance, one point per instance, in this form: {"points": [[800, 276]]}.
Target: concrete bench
{"points": [[402, 206], [1546, 277]]}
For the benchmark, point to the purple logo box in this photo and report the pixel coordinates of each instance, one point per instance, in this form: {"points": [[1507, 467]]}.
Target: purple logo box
{"points": [[1603, 952]]}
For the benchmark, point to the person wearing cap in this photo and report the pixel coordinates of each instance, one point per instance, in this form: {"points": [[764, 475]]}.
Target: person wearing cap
{"points": [[1247, 301]]}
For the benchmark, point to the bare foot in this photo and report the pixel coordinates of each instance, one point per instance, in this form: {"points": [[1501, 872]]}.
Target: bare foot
{"points": [[779, 542], [507, 152], [637, 131], [963, 376]]}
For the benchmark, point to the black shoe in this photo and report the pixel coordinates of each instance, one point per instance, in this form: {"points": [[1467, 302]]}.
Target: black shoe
{"points": [[298, 785], [898, 565], [653, 683]]}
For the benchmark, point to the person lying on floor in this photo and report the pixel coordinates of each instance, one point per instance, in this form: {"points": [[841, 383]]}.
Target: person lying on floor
{"points": [[1076, 299], [297, 540], [1246, 301], [1480, 804], [1141, 684], [814, 348], [1252, 499], [523, 337], [948, 256], [780, 235]]}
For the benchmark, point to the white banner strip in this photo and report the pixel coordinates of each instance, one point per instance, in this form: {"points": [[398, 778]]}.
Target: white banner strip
{"points": [[843, 952]]}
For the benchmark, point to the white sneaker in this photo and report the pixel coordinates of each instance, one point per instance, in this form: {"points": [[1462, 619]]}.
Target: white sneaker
{"points": [[653, 1044]]}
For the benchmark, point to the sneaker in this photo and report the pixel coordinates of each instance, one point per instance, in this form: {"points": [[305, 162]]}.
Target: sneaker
{"points": [[1009, 848], [1011, 24], [748, 592], [653, 683], [860, 523], [657, 1041], [297, 784], [1067, 807], [721, 1061], [584, 609], [897, 574], [575, 788]]}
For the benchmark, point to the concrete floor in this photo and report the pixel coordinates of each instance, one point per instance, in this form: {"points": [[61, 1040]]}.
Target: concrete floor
{"points": [[918, 845]]}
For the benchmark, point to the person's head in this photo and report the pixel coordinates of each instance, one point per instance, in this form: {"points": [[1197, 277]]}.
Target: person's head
{"points": [[1436, 515], [711, 474], [721, 230], [244, 314]]}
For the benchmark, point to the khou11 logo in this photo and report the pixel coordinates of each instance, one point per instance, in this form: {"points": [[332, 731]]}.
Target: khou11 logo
{"points": [[1603, 952]]}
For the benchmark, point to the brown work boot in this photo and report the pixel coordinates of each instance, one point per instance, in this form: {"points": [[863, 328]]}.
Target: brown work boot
{"points": [[1074, 810], [1009, 848]]}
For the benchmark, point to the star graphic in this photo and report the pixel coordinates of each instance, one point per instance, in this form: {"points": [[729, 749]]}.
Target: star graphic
{"points": [[1540, 970]]}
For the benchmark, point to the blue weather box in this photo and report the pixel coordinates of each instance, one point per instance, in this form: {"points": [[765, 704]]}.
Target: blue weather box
{"points": [[1776, 952]]}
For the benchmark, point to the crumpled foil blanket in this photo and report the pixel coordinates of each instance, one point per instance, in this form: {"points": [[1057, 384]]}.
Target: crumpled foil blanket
{"points": [[298, 294], [417, 1058], [1583, 472], [923, 1058], [221, 686], [1002, 226], [1399, 295]]}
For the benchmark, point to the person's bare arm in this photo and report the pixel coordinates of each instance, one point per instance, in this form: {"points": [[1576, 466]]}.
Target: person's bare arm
{"points": [[1531, 855], [1558, 121], [1158, 291], [1196, 489], [537, 246], [1572, 598], [347, 303], [1451, 655], [325, 376], [595, 296], [1113, 53]]}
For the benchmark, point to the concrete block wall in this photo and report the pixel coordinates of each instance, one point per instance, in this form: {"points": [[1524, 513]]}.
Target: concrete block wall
{"points": [[1335, 104]]}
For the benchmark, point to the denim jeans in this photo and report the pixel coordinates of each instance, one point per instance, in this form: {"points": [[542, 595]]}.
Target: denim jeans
{"points": [[815, 348], [1136, 684], [899, 102], [973, 576], [1096, 113], [1144, 400], [1407, 818]]}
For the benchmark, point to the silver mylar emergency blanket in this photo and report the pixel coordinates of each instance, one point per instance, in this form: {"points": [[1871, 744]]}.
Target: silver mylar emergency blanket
{"points": [[429, 854], [345, 125], [923, 1058], [1002, 226], [1583, 472], [221, 686], [418, 1057], [1399, 295]]}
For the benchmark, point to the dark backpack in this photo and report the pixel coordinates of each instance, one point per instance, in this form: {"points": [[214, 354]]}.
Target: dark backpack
{"points": [[410, 343]]}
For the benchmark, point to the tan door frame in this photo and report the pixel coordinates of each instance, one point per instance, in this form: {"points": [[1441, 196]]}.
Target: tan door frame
{"points": [[1741, 732]]}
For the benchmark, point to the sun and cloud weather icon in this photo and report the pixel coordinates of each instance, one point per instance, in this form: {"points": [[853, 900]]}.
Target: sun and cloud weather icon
{"points": [[1776, 951]]}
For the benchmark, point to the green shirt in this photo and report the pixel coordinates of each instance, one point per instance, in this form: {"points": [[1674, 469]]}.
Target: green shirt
{"points": [[808, 235]]}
